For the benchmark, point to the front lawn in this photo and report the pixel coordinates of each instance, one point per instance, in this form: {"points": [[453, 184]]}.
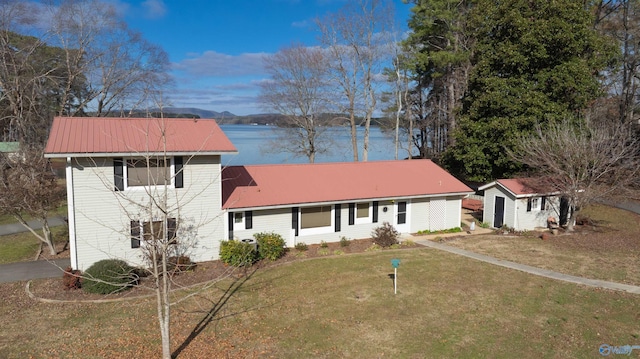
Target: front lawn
{"points": [[340, 307], [608, 250]]}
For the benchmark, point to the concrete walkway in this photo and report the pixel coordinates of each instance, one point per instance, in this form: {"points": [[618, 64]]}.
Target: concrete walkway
{"points": [[13, 228], [532, 270], [15, 272]]}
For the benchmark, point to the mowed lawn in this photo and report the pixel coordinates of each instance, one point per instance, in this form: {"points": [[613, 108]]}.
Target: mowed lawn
{"points": [[341, 307]]}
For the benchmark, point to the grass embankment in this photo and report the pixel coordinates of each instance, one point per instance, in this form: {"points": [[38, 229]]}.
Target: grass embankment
{"points": [[60, 211], [447, 306], [24, 246]]}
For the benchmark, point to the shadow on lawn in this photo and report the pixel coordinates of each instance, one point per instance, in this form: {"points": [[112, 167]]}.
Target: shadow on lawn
{"points": [[217, 306]]}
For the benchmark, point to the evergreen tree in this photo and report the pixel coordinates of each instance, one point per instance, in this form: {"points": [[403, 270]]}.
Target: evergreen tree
{"points": [[534, 62]]}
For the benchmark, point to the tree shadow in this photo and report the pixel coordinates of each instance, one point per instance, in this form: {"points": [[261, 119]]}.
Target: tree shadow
{"points": [[237, 283]]}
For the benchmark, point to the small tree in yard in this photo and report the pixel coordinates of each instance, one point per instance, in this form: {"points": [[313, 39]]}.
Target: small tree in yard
{"points": [[29, 187], [583, 163]]}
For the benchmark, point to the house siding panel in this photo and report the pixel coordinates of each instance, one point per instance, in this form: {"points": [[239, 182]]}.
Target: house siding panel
{"points": [[454, 212], [419, 214], [102, 227]]}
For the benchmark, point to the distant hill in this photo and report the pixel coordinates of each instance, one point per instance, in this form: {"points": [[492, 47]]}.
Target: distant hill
{"points": [[186, 111]]}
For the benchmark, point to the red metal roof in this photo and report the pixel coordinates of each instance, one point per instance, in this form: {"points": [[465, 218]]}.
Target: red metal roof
{"points": [[79, 136], [279, 185]]}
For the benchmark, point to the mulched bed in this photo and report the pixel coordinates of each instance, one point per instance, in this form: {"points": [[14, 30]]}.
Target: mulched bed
{"points": [[204, 272]]}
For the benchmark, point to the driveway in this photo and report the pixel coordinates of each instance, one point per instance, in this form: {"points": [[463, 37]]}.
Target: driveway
{"points": [[15, 272]]}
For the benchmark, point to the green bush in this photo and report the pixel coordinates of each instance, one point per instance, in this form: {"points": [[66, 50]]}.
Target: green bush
{"points": [[270, 245], [324, 244], [237, 253], [109, 276], [344, 241], [385, 235], [301, 246]]}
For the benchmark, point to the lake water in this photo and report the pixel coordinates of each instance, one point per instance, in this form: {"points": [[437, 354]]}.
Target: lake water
{"points": [[252, 144]]}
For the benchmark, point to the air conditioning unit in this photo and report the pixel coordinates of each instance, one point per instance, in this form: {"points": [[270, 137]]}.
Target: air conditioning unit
{"points": [[252, 242]]}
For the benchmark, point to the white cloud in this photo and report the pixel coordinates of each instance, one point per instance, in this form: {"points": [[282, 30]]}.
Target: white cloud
{"points": [[214, 64], [154, 9]]}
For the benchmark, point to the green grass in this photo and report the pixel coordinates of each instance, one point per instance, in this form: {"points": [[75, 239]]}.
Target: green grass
{"points": [[344, 307], [23, 246], [60, 211]]}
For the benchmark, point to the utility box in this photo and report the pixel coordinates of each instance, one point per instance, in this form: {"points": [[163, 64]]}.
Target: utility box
{"points": [[252, 242]]}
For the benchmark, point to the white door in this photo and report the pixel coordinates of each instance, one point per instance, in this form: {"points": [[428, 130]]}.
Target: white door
{"points": [[401, 220]]}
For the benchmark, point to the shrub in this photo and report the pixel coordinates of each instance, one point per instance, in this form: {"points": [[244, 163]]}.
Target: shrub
{"points": [[324, 244], [385, 235], [323, 252], [270, 245], [109, 276], [344, 241], [301, 246], [237, 253], [71, 278]]}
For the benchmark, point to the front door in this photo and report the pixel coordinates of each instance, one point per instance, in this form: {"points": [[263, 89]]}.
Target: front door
{"points": [[498, 213], [402, 217]]}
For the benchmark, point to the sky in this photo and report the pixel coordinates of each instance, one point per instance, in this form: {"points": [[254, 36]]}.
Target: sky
{"points": [[216, 47]]}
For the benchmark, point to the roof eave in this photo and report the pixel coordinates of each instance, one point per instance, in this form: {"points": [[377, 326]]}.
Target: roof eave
{"points": [[342, 201], [137, 154]]}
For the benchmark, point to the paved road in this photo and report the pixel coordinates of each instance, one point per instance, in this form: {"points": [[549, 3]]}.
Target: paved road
{"points": [[18, 228], [15, 272]]}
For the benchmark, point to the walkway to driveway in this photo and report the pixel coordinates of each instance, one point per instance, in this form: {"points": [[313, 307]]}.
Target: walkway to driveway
{"points": [[532, 270], [15, 272]]}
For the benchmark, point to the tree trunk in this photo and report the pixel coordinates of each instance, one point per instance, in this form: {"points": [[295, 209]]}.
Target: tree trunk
{"points": [[354, 136], [46, 239]]}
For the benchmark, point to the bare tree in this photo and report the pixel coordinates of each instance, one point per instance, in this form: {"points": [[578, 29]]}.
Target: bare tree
{"points": [[297, 89], [121, 68], [29, 187], [582, 163], [357, 38]]}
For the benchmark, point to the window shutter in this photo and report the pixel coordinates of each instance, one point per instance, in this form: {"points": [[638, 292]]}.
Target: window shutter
{"points": [[118, 174], [135, 234], [352, 213], [529, 204], [294, 219], [375, 212], [543, 204], [230, 226], [178, 180], [172, 228], [337, 217], [248, 219]]}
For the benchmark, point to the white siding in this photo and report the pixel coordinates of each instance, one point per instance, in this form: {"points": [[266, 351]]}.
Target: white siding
{"points": [[270, 220], [102, 215], [454, 212], [420, 209], [515, 210], [438, 214]]}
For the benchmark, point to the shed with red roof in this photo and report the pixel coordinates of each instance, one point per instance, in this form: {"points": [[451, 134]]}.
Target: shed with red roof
{"points": [[519, 203]]}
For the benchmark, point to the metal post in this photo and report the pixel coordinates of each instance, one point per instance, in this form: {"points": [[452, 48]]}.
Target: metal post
{"points": [[395, 280]]}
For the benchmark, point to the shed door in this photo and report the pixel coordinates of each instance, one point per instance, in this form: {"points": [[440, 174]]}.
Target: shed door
{"points": [[498, 214]]}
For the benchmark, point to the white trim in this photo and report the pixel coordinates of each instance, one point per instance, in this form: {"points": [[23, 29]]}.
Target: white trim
{"points": [[125, 175], [71, 218], [363, 220], [331, 203], [315, 230]]}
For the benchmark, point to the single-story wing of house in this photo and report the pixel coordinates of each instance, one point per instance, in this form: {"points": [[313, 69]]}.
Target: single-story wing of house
{"points": [[516, 204], [116, 167]]}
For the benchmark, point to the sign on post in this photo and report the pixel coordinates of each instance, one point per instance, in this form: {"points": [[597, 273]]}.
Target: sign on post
{"points": [[395, 263]]}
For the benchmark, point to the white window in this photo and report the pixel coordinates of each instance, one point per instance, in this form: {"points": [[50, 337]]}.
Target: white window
{"points": [[146, 173], [533, 204], [318, 219], [363, 212]]}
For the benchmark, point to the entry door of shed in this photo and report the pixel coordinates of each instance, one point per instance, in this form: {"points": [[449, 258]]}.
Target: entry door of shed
{"points": [[498, 212]]}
